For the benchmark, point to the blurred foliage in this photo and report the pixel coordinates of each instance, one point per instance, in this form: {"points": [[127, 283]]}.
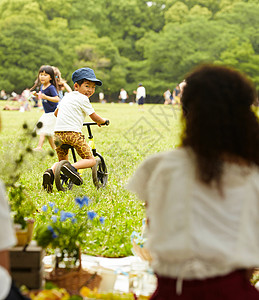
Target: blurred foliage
{"points": [[126, 41]]}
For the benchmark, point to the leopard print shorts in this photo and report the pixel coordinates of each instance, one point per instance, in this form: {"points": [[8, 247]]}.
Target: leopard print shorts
{"points": [[75, 139]]}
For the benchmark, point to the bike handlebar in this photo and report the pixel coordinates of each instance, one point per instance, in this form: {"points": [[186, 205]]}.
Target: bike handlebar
{"points": [[107, 122]]}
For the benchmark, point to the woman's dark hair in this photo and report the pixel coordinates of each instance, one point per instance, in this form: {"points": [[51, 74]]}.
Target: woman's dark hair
{"points": [[49, 70], [219, 122]]}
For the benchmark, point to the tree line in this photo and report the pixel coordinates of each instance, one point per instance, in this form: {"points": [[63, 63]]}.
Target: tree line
{"points": [[126, 41]]}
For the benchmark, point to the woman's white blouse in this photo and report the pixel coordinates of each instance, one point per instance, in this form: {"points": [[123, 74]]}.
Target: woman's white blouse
{"points": [[194, 231]]}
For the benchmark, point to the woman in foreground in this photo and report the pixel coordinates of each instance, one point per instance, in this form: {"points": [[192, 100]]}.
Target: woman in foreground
{"points": [[203, 198]]}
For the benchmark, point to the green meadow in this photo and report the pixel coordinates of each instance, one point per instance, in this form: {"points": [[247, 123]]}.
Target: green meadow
{"points": [[131, 136]]}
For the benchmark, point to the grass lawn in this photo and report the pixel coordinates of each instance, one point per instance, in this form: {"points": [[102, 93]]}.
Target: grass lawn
{"points": [[130, 138]]}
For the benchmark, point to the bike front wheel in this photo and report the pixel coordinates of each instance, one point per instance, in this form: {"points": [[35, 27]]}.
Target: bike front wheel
{"points": [[99, 173], [63, 183]]}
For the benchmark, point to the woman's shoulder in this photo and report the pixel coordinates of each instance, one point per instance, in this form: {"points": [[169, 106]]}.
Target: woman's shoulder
{"points": [[168, 159], [176, 155]]}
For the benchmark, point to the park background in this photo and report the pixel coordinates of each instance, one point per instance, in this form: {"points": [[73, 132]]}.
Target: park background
{"points": [[126, 41]]}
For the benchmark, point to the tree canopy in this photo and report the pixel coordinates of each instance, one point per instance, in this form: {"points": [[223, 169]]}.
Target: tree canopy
{"points": [[126, 41]]}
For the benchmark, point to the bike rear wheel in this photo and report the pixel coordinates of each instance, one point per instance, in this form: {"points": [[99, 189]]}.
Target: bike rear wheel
{"points": [[99, 173], [63, 183]]}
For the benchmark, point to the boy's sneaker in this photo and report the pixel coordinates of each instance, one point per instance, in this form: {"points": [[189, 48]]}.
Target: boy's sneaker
{"points": [[71, 172], [48, 179]]}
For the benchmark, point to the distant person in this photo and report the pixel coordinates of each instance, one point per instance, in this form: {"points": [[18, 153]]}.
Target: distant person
{"points": [[3, 95], [10, 107], [203, 198], [71, 112], [22, 104], [49, 97], [123, 95], [15, 97], [181, 86], [167, 96], [176, 96], [61, 83], [101, 98], [140, 95], [26, 96]]}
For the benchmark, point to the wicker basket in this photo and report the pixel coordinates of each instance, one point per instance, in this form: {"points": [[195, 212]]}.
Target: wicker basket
{"points": [[74, 279], [143, 253]]}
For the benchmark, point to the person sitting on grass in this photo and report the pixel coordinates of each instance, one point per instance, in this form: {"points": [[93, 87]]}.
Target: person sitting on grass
{"points": [[70, 114]]}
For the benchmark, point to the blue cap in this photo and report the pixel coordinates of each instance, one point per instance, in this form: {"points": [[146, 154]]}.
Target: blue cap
{"points": [[85, 73]]}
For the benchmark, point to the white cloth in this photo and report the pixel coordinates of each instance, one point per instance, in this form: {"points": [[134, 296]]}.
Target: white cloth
{"points": [[5, 283], [72, 111], [141, 92], [7, 235], [194, 232], [48, 124]]}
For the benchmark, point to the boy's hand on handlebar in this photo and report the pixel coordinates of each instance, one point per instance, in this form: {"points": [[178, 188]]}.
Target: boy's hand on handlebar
{"points": [[106, 122]]}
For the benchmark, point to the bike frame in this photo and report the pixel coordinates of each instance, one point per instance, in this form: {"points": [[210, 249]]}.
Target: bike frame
{"points": [[91, 142]]}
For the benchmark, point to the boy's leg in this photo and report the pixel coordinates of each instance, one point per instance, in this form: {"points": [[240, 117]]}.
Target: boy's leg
{"points": [[61, 138], [48, 180], [48, 175], [85, 163], [87, 160]]}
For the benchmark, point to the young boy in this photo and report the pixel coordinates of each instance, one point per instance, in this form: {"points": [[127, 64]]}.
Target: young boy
{"points": [[70, 114]]}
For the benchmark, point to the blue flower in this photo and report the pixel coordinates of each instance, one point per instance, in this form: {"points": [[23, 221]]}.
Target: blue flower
{"points": [[50, 228], [54, 235], [91, 215], [74, 220], [70, 215], [54, 219], [63, 216], [55, 210], [44, 208], [102, 219], [79, 202], [85, 200], [51, 204]]}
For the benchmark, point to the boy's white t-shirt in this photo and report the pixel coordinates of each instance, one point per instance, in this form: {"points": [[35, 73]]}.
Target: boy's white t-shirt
{"points": [[72, 110]]}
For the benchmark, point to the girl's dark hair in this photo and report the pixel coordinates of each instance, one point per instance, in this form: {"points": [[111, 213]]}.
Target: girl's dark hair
{"points": [[49, 70], [219, 122]]}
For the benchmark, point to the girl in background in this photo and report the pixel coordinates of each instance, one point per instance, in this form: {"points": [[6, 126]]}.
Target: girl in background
{"points": [[49, 97], [62, 84]]}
